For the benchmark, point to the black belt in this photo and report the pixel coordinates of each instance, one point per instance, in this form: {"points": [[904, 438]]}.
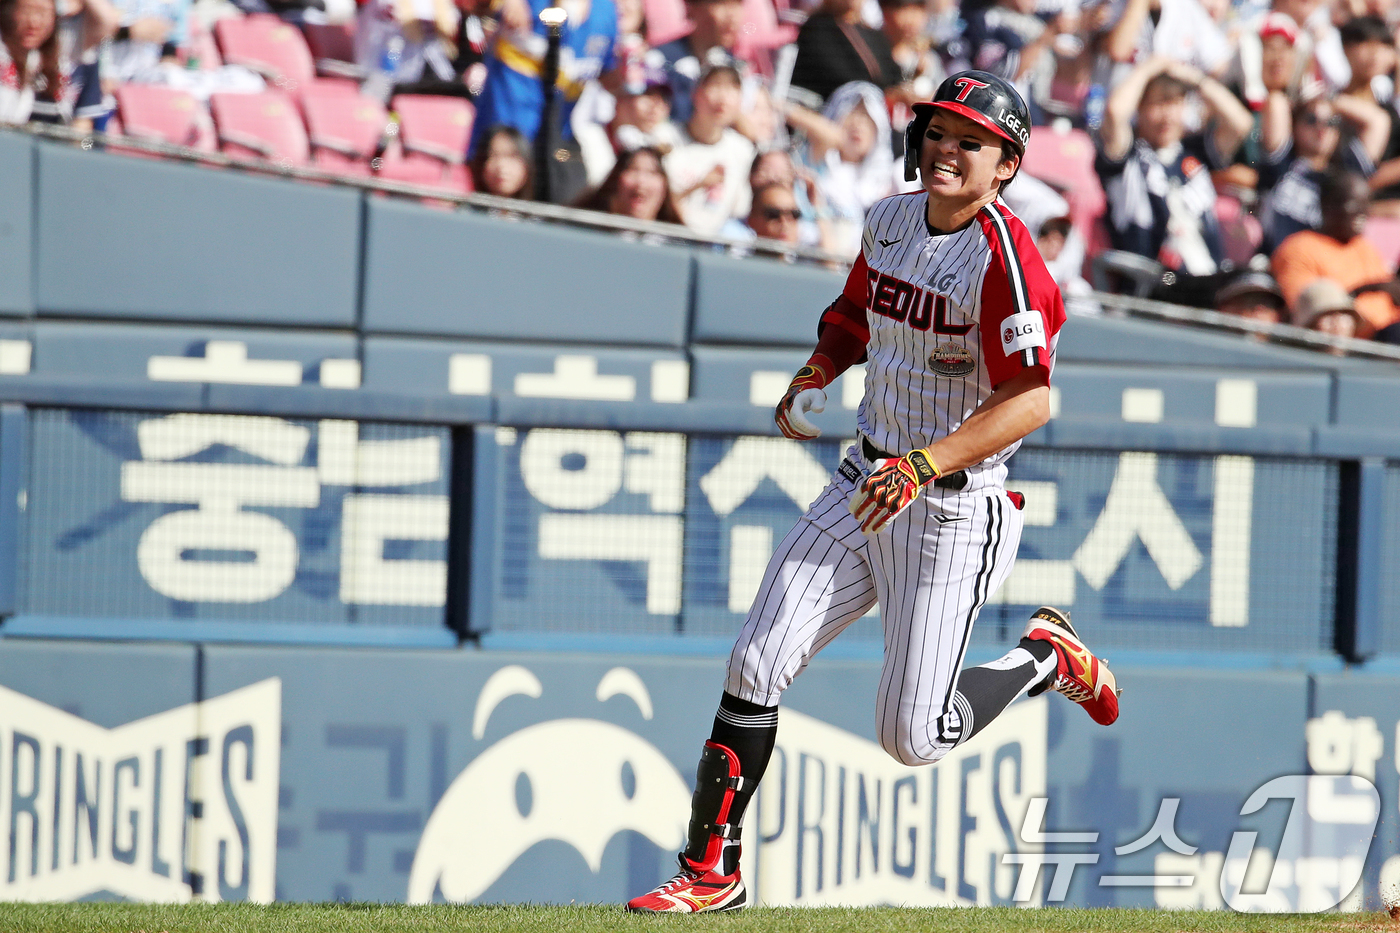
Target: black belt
{"points": [[954, 481]]}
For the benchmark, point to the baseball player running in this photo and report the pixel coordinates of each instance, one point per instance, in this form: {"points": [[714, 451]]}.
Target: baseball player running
{"points": [[954, 310]]}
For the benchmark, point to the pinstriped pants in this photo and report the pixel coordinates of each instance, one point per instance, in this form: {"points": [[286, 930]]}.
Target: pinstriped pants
{"points": [[931, 569]]}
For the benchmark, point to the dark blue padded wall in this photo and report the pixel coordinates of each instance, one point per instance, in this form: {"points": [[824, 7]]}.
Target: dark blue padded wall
{"points": [[1121, 340], [16, 223], [156, 353], [1227, 397], [459, 367], [135, 238], [744, 301], [465, 275], [106, 684]]}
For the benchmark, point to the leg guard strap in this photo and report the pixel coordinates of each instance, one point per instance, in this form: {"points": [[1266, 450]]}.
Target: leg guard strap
{"points": [[717, 780]]}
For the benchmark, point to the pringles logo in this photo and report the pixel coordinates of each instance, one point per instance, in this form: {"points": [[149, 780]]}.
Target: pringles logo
{"points": [[178, 806]]}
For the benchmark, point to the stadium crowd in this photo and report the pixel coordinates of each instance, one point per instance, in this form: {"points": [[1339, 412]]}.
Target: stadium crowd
{"points": [[1236, 154]]}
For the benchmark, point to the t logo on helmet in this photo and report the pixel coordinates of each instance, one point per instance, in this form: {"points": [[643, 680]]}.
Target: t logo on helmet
{"points": [[968, 85]]}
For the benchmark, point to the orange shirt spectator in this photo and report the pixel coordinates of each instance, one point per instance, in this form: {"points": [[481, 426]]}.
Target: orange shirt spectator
{"points": [[1338, 252]]}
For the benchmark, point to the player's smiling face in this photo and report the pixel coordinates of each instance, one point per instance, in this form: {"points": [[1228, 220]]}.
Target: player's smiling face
{"points": [[961, 159]]}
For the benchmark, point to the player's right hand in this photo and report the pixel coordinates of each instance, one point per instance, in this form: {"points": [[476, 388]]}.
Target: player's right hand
{"points": [[791, 414], [804, 394]]}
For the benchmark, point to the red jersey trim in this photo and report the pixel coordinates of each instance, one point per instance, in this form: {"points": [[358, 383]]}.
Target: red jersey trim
{"points": [[858, 283], [1007, 290]]}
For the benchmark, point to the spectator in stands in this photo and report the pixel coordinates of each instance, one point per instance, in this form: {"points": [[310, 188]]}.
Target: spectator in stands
{"points": [[834, 47], [501, 164], [1324, 306], [514, 94], [1301, 143], [1339, 252], [1273, 58], [1182, 30], [40, 78], [708, 169], [1253, 295], [859, 170], [906, 26], [151, 31], [399, 43], [1323, 41], [710, 44], [636, 187], [640, 117], [773, 216], [1370, 53], [1009, 39], [1157, 179], [776, 167]]}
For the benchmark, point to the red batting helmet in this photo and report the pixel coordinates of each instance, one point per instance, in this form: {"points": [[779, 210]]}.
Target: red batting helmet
{"points": [[980, 96]]}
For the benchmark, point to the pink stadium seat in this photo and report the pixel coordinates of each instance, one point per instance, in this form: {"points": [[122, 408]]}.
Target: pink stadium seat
{"points": [[346, 87], [149, 111], [1066, 160], [433, 132], [333, 48], [262, 125], [268, 46], [665, 21], [439, 127], [344, 129], [761, 32], [1240, 230], [1384, 234]]}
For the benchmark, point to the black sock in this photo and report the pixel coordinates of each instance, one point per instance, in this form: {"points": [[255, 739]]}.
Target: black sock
{"points": [[749, 731], [983, 692]]}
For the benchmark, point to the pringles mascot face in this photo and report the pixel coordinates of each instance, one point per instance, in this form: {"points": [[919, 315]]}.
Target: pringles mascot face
{"points": [[578, 781]]}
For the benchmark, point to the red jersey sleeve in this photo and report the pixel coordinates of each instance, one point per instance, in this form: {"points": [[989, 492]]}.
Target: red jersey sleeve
{"points": [[858, 283], [1022, 310]]}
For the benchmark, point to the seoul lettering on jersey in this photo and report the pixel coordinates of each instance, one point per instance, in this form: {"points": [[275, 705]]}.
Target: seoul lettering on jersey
{"points": [[902, 301]]}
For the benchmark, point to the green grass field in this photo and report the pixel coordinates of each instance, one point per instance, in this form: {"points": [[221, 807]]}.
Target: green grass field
{"points": [[377, 918]]}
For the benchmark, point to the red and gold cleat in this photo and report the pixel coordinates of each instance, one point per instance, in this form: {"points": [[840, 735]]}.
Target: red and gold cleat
{"points": [[693, 892], [1079, 675]]}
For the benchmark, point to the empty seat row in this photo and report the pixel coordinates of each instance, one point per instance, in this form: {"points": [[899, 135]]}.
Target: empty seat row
{"points": [[325, 123]]}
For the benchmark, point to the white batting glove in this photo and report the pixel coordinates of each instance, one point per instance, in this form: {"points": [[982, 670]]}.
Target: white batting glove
{"points": [[791, 414]]}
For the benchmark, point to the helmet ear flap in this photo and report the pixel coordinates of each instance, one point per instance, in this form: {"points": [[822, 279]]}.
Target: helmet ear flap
{"points": [[913, 143]]}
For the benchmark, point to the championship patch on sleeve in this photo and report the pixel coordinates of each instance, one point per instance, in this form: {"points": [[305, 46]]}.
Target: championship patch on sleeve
{"points": [[1022, 332]]}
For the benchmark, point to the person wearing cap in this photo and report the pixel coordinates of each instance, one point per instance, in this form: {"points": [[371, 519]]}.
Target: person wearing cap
{"points": [[1161, 200], [708, 168], [1324, 306], [1253, 295]]}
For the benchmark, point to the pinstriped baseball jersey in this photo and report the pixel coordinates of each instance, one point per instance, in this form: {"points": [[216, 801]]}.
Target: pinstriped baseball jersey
{"points": [[951, 316]]}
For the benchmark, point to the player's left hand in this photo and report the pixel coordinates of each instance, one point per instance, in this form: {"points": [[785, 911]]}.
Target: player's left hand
{"points": [[889, 489]]}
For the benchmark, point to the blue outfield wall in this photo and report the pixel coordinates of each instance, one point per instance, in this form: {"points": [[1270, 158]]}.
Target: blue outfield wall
{"points": [[502, 777]]}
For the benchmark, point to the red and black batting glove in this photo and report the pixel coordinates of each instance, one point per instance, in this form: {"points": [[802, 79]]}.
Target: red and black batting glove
{"points": [[890, 487], [804, 394]]}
